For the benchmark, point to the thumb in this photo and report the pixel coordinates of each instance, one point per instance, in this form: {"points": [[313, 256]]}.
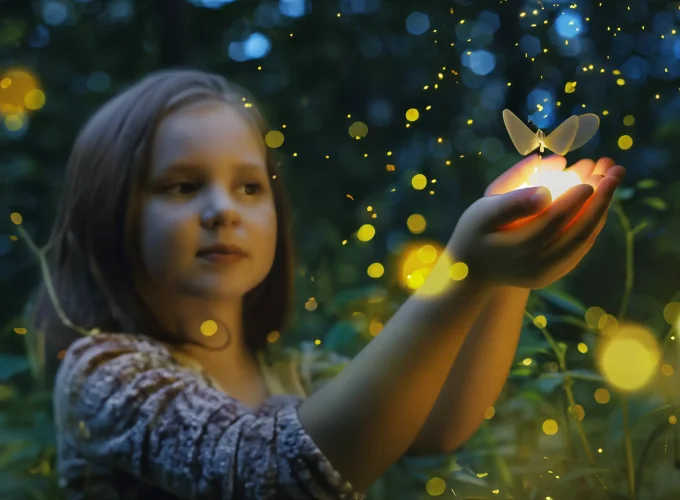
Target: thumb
{"points": [[506, 208]]}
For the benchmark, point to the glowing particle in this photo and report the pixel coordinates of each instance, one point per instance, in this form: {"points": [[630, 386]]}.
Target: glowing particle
{"points": [[570, 87], [580, 412], [366, 232], [358, 130], [20, 331], [667, 370], [311, 304], [599, 450], [526, 361], [412, 114], [390, 167], [620, 82], [602, 396], [419, 181], [625, 142], [593, 315], [470, 122], [209, 328], [375, 270], [540, 322], [671, 313], [550, 427], [416, 223], [628, 120], [34, 99], [273, 336], [16, 218], [375, 328], [274, 139], [489, 412], [672, 420], [435, 487], [458, 271], [582, 348], [630, 358]]}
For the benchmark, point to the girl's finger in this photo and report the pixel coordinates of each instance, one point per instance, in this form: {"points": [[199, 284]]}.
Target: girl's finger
{"points": [[578, 231], [603, 165], [583, 168], [520, 172]]}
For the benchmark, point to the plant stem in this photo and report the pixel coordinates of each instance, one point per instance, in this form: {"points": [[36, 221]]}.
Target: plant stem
{"points": [[570, 397], [629, 447], [48, 283], [629, 239]]}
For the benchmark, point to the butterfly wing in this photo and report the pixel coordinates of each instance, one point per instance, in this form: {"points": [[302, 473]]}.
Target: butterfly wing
{"points": [[522, 137], [587, 128], [560, 140]]}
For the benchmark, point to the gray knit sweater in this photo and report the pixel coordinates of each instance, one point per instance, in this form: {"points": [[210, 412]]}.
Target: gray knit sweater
{"points": [[133, 423]]}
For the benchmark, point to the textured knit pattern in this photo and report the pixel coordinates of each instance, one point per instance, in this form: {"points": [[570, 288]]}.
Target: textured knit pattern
{"points": [[133, 423]]}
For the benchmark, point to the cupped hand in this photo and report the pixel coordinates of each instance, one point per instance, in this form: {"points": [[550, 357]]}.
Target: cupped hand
{"points": [[507, 240]]}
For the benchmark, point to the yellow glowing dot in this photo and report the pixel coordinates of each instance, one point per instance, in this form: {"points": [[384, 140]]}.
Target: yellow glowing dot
{"points": [[274, 139], [366, 232], [550, 427], [625, 142], [570, 87], [495, 492], [419, 181], [427, 254], [317, 342], [526, 362], [458, 271], [21, 331], [580, 412], [620, 81], [273, 336], [416, 223], [582, 348], [311, 304], [470, 122], [412, 114], [375, 270], [667, 370], [628, 120], [605, 112], [16, 218], [34, 99], [489, 412], [599, 450], [608, 324], [602, 396], [375, 328], [630, 358], [435, 487], [209, 328], [540, 321], [593, 315], [358, 129], [14, 122], [672, 420], [671, 313]]}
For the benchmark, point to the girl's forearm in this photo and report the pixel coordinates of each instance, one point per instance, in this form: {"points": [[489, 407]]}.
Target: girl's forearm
{"points": [[478, 374], [369, 415]]}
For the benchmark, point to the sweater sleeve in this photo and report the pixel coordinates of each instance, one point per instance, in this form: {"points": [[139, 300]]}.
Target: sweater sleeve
{"points": [[121, 402]]}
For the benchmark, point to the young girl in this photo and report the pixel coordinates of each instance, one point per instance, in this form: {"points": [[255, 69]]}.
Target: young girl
{"points": [[173, 240]]}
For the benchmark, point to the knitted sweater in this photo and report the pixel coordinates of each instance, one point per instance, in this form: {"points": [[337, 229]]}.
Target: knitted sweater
{"points": [[135, 420]]}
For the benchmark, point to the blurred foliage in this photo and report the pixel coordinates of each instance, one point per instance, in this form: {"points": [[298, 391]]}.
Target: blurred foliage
{"points": [[336, 62]]}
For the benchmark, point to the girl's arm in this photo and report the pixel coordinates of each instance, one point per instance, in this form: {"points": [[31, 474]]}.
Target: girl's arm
{"points": [[483, 363], [366, 417]]}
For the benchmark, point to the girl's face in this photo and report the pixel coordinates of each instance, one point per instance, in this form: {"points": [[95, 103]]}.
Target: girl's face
{"points": [[208, 184]]}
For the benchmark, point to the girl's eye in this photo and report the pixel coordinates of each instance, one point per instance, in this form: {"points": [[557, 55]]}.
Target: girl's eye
{"points": [[178, 188], [255, 186]]}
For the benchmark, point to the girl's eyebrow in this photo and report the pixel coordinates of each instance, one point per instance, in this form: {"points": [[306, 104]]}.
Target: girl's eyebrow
{"points": [[182, 166]]}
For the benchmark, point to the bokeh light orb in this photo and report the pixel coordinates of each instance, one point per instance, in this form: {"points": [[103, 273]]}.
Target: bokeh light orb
{"points": [[629, 358]]}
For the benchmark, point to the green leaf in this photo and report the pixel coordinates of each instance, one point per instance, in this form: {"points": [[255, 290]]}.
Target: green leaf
{"points": [[563, 300], [647, 184], [583, 472], [10, 365], [656, 203], [579, 374]]}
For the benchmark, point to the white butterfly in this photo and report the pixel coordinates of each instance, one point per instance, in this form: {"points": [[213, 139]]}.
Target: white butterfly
{"points": [[571, 134]]}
